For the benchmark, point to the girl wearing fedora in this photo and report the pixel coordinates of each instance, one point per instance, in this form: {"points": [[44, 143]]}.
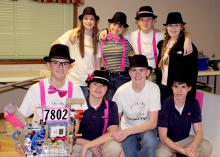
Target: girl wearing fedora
{"points": [[99, 121], [171, 56], [84, 48], [115, 51]]}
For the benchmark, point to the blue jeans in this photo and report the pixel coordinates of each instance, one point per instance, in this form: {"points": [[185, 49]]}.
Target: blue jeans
{"points": [[115, 82], [85, 91], [141, 145]]}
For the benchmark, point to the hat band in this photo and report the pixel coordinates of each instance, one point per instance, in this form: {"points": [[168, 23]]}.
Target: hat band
{"points": [[143, 12], [101, 78]]}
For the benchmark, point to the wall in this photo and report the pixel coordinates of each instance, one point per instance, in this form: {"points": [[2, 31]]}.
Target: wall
{"points": [[201, 16]]}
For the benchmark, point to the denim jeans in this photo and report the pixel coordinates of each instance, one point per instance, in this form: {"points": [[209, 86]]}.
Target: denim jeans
{"points": [[115, 82], [141, 145]]}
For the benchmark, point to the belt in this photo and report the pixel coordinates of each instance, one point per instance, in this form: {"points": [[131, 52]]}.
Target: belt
{"points": [[116, 73]]}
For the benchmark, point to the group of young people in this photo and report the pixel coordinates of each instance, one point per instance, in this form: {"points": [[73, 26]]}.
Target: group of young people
{"points": [[123, 109]]}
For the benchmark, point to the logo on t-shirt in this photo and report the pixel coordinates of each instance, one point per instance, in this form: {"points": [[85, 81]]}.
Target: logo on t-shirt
{"points": [[138, 110]]}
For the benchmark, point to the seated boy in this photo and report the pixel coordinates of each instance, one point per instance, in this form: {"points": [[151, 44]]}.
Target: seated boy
{"points": [[177, 114], [52, 92], [99, 121]]}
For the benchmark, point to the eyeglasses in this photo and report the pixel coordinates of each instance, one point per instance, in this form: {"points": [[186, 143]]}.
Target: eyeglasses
{"points": [[58, 63]]}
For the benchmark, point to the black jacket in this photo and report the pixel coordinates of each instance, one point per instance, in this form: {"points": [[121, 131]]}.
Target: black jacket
{"points": [[177, 62]]}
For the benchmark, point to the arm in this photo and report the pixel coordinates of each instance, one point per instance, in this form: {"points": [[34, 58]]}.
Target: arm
{"points": [[103, 34], [168, 142], [74, 35], [150, 124], [94, 144], [64, 38], [187, 44], [191, 148], [97, 63]]}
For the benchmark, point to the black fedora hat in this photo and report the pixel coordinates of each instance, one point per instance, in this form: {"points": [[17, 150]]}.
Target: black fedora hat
{"points": [[119, 18], [181, 76], [99, 76], [139, 61], [174, 18], [59, 51], [89, 11], [145, 11]]}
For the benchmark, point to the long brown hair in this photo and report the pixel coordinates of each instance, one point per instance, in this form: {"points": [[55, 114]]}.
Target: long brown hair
{"points": [[81, 39], [164, 46]]}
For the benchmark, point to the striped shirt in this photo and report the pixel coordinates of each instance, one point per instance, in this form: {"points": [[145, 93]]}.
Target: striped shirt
{"points": [[112, 53]]}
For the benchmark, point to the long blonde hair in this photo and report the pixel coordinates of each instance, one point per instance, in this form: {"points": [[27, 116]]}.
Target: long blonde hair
{"points": [[164, 46], [81, 39]]}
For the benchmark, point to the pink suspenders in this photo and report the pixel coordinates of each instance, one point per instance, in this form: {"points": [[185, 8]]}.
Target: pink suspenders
{"points": [[42, 92], [106, 111], [155, 47], [123, 54], [70, 89], [154, 43]]}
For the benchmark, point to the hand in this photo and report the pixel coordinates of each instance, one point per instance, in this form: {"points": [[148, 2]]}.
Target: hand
{"points": [[120, 135], [97, 151], [191, 151], [74, 35], [103, 34], [21, 150], [84, 150], [188, 49]]}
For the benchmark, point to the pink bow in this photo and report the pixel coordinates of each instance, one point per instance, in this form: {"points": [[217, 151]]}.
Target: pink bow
{"points": [[115, 39], [52, 90], [90, 77]]}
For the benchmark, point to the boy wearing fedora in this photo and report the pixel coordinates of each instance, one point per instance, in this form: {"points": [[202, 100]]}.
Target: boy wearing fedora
{"points": [[84, 48], [138, 104], [115, 51], [177, 114], [54, 90], [99, 121]]}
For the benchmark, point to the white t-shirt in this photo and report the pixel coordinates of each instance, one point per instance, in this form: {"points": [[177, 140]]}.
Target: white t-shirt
{"points": [[82, 66], [146, 44], [32, 101], [136, 106]]}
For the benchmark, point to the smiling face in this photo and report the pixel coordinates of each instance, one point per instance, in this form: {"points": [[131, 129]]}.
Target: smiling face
{"points": [[146, 24], [97, 90], [138, 75], [59, 68], [180, 91], [116, 29], [174, 30], [88, 22]]}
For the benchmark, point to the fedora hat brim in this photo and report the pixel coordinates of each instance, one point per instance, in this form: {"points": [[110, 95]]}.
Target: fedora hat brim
{"points": [[165, 24], [81, 16], [118, 22], [48, 58], [146, 15]]}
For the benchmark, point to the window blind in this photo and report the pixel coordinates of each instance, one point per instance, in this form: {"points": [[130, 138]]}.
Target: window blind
{"points": [[27, 27]]}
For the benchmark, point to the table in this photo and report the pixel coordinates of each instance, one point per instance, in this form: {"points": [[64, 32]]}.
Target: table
{"points": [[7, 145], [207, 74], [14, 78]]}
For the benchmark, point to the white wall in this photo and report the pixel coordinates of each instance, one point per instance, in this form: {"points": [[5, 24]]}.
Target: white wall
{"points": [[201, 16], [211, 121]]}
